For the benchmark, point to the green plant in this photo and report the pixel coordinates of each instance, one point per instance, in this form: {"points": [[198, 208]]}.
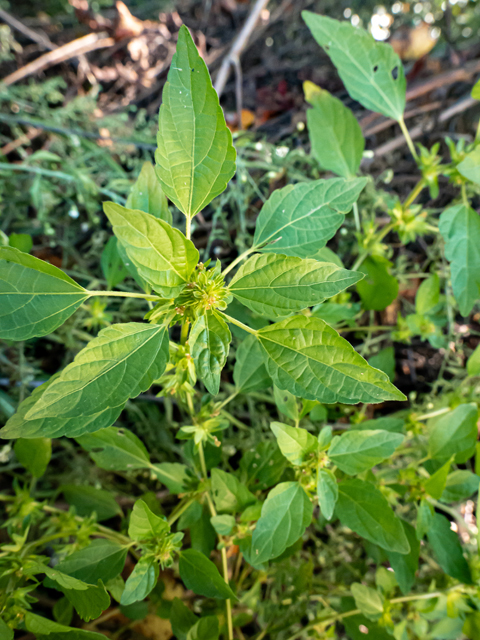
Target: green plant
{"points": [[260, 509]]}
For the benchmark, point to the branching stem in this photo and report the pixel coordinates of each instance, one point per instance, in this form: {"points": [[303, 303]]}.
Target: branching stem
{"points": [[238, 323]]}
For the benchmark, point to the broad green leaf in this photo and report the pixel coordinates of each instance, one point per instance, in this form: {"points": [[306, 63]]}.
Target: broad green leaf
{"points": [[370, 70], [32, 568], [91, 603], [405, 566], [34, 454], [286, 513], [147, 195], [299, 219], [181, 619], [309, 359], [357, 451], [209, 342], [223, 524], [469, 167], [460, 227], [287, 403], [435, 485], [379, 288], [35, 296], [195, 157], [44, 628], [263, 466], [368, 600], [5, 632], [89, 394], [141, 581], [112, 265], [21, 241], [87, 500], [115, 449], [205, 629], [229, 494], [201, 576], [385, 361], [146, 525], [327, 491], [276, 285], [295, 443], [461, 485], [132, 269], [473, 363], [336, 137], [163, 256], [190, 516], [249, 372], [425, 515], [455, 433], [202, 535], [362, 508], [174, 475], [428, 295], [448, 550], [102, 560]]}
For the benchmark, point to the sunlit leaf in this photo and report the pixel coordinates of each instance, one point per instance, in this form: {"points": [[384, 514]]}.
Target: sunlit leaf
{"points": [[147, 195], [357, 451]]}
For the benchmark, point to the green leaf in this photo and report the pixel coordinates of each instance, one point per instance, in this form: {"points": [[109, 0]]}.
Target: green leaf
{"points": [[35, 296], [469, 167], [147, 195], [163, 256], [424, 518], [335, 135], [286, 513], [34, 454], [174, 475], [249, 372], [229, 494], [202, 535], [286, 403], [476, 90], [91, 603], [263, 466], [435, 485], [141, 581], [327, 490], [385, 361], [87, 500], [295, 443], [298, 220], [63, 580], [205, 629], [21, 241], [448, 550], [112, 265], [181, 619], [461, 485], [209, 342], [223, 524], [201, 576], [309, 359], [195, 157], [44, 628], [455, 433], [460, 227], [357, 451], [115, 449], [379, 288], [362, 508], [132, 269], [146, 525], [405, 566], [368, 600], [102, 560], [370, 70], [276, 285], [5, 632], [89, 394], [386, 423], [473, 363], [428, 295]]}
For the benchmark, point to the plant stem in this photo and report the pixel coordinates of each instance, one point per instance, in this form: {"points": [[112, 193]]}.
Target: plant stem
{"points": [[464, 195], [213, 511], [238, 259], [433, 414], [228, 400], [238, 323], [184, 332], [188, 228], [414, 193], [180, 509], [356, 216], [408, 138], [123, 294], [369, 328]]}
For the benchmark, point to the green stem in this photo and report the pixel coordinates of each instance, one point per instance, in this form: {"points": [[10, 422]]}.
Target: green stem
{"points": [[227, 400], [414, 193], [464, 195], [369, 328], [238, 323], [238, 259], [188, 228], [184, 332], [356, 216], [123, 294], [213, 512], [433, 414], [182, 507], [408, 138]]}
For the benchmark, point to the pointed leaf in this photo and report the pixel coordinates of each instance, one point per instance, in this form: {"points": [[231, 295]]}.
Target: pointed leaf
{"points": [[405, 566], [336, 137], [209, 342], [435, 485], [309, 359], [250, 373], [461, 485], [205, 629], [91, 603], [362, 508], [146, 525], [368, 600], [141, 581], [460, 228], [357, 451], [35, 296], [44, 628], [87, 500], [112, 265], [201, 576], [298, 220], [115, 449], [469, 167], [286, 513], [295, 443], [89, 394], [174, 475], [229, 494], [448, 550], [379, 288], [454, 434], [147, 195], [34, 454], [163, 256], [195, 157], [102, 560], [275, 285], [327, 490], [370, 70]]}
